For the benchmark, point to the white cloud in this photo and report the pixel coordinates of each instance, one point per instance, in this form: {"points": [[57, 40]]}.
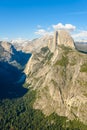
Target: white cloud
{"points": [[80, 35], [49, 31], [60, 26], [42, 32]]}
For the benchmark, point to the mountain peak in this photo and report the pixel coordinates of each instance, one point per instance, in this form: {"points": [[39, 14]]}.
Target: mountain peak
{"points": [[61, 37]]}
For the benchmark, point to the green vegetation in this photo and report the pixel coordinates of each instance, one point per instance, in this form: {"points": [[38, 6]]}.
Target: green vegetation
{"points": [[82, 83], [76, 125], [85, 94], [44, 49], [84, 68], [54, 82], [73, 61], [63, 61], [66, 49], [48, 58], [48, 55], [18, 114], [25, 85], [74, 108]]}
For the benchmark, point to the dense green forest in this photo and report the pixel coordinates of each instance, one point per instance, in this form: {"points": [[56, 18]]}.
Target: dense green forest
{"points": [[18, 114]]}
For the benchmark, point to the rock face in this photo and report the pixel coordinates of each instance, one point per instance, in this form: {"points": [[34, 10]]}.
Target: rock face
{"points": [[60, 82], [61, 37], [34, 45], [5, 51], [65, 39]]}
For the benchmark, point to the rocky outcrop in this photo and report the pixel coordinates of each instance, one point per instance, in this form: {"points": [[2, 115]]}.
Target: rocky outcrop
{"points": [[61, 37], [65, 39], [5, 51], [53, 43]]}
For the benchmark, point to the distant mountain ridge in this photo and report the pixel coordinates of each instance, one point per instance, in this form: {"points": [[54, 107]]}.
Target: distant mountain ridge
{"points": [[29, 46], [81, 46], [33, 45]]}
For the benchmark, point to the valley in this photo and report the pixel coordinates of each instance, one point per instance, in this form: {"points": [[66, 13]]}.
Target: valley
{"points": [[44, 89]]}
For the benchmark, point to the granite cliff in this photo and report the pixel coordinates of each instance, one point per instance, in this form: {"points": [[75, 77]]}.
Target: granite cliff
{"points": [[61, 37], [58, 72]]}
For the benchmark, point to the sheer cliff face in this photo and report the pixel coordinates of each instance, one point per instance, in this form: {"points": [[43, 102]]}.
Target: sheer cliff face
{"points": [[61, 37], [65, 39], [60, 79]]}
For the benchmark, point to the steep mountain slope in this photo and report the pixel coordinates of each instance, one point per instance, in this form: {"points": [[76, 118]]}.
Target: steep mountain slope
{"points": [[12, 63], [31, 46], [60, 79]]}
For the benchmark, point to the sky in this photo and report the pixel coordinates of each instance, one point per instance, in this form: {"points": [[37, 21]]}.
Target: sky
{"points": [[28, 19]]}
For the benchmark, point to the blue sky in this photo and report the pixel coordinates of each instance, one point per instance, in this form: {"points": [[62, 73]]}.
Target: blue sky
{"points": [[28, 18]]}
